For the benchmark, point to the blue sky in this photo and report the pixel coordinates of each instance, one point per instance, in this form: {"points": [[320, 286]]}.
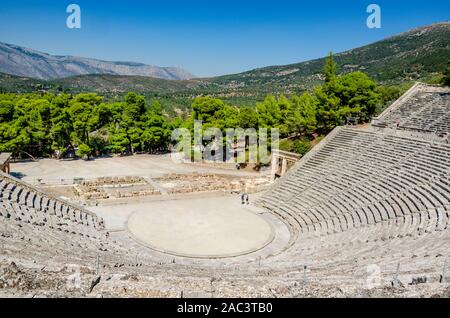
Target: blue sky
{"points": [[209, 37]]}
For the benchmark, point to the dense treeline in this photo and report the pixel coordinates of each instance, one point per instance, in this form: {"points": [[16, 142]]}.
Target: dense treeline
{"points": [[299, 117], [59, 125]]}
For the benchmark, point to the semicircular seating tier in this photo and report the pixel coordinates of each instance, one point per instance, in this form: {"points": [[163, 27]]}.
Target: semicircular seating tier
{"points": [[423, 108], [25, 203], [358, 178]]}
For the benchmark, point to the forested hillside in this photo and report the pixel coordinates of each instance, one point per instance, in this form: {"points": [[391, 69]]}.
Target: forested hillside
{"points": [[49, 124], [418, 54]]}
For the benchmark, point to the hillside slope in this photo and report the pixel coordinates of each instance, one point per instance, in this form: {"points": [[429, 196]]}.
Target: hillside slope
{"points": [[409, 56], [21, 61]]}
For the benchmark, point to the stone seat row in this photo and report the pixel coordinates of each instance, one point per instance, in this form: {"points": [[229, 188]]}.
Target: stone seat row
{"points": [[423, 111], [36, 205], [333, 191]]}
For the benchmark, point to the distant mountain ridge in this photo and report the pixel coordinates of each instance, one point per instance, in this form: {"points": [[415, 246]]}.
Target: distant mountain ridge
{"points": [[20, 61]]}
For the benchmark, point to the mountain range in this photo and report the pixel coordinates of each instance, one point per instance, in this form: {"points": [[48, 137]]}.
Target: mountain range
{"points": [[20, 61], [417, 54]]}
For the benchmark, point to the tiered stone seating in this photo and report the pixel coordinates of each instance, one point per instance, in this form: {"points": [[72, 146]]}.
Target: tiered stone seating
{"points": [[359, 198], [25, 203], [424, 108], [363, 178]]}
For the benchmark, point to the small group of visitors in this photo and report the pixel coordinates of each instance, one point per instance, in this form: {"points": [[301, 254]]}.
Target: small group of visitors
{"points": [[244, 198]]}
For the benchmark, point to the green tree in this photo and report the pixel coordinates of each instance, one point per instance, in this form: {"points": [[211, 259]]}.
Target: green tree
{"points": [[302, 118], [226, 117], [330, 69], [205, 108], [302, 146], [330, 112], [119, 141], [135, 107], [447, 75], [358, 92], [269, 113], [82, 110], [248, 117], [42, 124], [156, 108], [353, 94], [84, 151], [61, 130], [6, 110]]}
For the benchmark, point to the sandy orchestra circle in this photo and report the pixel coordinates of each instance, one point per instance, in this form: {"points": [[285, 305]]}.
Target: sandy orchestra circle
{"points": [[201, 232]]}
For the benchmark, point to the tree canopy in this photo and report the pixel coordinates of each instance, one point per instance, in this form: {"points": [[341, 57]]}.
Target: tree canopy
{"points": [[47, 124], [57, 124]]}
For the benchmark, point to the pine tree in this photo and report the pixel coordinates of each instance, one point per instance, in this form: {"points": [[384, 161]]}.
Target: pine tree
{"points": [[330, 69]]}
